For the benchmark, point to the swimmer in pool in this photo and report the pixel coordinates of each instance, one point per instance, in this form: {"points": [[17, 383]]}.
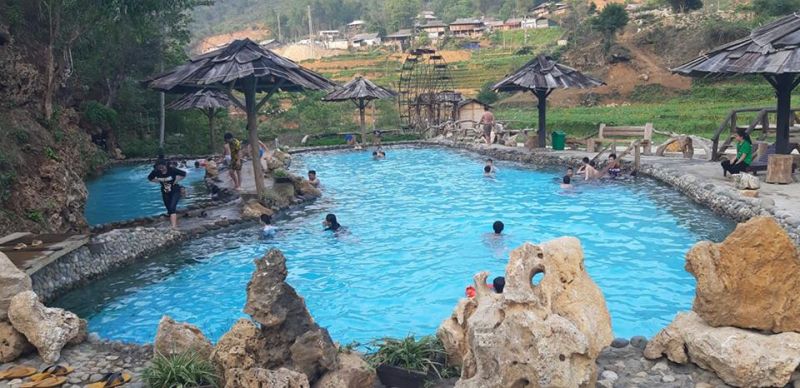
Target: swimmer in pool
{"points": [[269, 230], [331, 223], [566, 182], [487, 172]]}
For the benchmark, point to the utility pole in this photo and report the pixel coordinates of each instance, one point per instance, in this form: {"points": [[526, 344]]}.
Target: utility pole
{"points": [[280, 38], [310, 33], [162, 111]]}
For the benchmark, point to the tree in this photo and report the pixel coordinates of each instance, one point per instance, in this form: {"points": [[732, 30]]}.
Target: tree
{"points": [[401, 13], [486, 95], [610, 20], [592, 8], [684, 6], [771, 8]]}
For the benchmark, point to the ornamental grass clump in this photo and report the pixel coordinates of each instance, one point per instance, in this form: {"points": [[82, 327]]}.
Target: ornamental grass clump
{"points": [[425, 355], [183, 370]]}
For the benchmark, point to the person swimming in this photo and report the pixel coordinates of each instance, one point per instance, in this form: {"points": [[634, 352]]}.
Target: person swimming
{"points": [[487, 172], [331, 223], [498, 227], [269, 229], [566, 182], [490, 163]]}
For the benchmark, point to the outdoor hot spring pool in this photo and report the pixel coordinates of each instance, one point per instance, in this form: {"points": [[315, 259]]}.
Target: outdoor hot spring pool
{"points": [[124, 193], [417, 233]]}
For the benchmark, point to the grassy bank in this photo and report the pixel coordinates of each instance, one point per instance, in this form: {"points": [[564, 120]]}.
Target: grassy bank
{"points": [[698, 111]]}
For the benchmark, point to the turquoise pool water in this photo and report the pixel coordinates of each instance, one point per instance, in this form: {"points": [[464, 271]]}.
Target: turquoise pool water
{"points": [[417, 226], [124, 193]]}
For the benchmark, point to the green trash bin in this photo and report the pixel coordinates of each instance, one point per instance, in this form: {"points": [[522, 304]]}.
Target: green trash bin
{"points": [[559, 140]]}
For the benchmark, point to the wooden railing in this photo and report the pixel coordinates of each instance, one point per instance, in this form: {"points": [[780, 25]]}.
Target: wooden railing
{"points": [[760, 122]]}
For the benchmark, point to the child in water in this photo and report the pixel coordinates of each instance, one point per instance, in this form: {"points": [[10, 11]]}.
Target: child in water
{"points": [[487, 171], [269, 230]]}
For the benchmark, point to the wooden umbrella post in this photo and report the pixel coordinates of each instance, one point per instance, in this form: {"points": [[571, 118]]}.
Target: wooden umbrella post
{"points": [[361, 107], [210, 112], [783, 83], [252, 134], [541, 95]]}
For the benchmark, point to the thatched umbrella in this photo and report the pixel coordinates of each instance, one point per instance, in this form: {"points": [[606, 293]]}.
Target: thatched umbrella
{"points": [[541, 76], [361, 91], [244, 66], [772, 51], [210, 101]]}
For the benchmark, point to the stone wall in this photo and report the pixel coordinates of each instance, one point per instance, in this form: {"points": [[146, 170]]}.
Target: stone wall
{"points": [[103, 253]]}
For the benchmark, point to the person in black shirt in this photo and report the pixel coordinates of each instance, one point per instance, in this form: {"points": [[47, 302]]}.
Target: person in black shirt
{"points": [[168, 178]]}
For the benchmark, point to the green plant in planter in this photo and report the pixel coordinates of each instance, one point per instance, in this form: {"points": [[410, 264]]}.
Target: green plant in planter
{"points": [[182, 370], [425, 355]]}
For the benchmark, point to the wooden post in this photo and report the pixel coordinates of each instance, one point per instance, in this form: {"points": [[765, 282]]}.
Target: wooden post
{"points": [[542, 134], [779, 169], [252, 134], [784, 83], [212, 146], [637, 156], [361, 108]]}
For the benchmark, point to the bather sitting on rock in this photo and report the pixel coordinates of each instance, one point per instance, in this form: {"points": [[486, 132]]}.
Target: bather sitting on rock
{"points": [[498, 284]]}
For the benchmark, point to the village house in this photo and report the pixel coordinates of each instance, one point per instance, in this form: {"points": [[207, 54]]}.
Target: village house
{"points": [[511, 24], [538, 23], [548, 10], [435, 29], [467, 27], [329, 35], [366, 40], [493, 25], [356, 26], [427, 15], [399, 40]]}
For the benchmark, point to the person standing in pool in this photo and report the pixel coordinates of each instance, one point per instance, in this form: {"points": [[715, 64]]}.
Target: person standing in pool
{"points": [[168, 178], [232, 151]]}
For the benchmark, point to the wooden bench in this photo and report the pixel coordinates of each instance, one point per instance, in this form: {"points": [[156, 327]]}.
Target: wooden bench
{"points": [[612, 135]]}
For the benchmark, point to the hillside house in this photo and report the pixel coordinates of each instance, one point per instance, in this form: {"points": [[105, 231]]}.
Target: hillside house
{"points": [[427, 15], [467, 27], [356, 26], [548, 10], [329, 35], [511, 24], [493, 25], [366, 40], [400, 40], [538, 23], [338, 44], [435, 29]]}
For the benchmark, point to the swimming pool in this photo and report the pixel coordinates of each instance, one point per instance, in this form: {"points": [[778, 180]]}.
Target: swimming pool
{"points": [[124, 193], [417, 226]]}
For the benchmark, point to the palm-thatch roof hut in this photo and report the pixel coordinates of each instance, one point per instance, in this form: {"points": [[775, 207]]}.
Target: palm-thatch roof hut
{"points": [[772, 51], [210, 101], [541, 76], [361, 91], [246, 67]]}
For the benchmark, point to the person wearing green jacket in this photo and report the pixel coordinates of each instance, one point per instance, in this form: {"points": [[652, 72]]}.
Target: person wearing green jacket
{"points": [[744, 155]]}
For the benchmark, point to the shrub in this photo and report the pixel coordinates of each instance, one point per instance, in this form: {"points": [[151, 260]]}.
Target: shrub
{"points": [[99, 114], [181, 370], [280, 173], [425, 355], [486, 95]]}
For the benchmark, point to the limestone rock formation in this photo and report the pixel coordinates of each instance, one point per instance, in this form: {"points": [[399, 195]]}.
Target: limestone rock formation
{"points": [[12, 343], [239, 348], [48, 329], [352, 372], [750, 280], [265, 378], [739, 357], [306, 189], [178, 337], [291, 336], [548, 334], [12, 282], [254, 209]]}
